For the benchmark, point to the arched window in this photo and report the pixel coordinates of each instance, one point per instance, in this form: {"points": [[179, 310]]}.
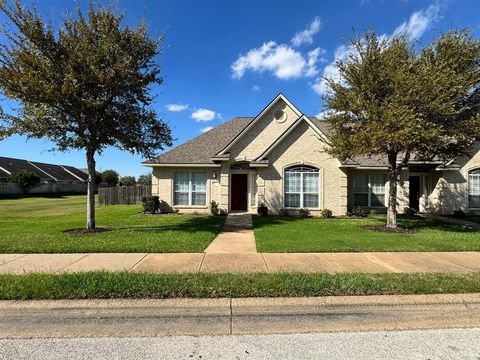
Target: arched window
{"points": [[302, 187], [474, 189]]}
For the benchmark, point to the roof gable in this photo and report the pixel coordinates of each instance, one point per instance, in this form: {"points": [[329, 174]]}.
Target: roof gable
{"points": [[278, 98], [277, 141]]}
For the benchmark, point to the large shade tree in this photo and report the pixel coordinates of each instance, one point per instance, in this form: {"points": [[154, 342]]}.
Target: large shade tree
{"points": [[398, 100], [84, 85]]}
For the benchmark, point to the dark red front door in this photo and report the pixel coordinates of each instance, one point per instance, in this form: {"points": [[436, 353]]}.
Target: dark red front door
{"points": [[239, 192]]}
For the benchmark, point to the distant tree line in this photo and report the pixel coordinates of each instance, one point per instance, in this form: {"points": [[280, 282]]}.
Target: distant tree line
{"points": [[112, 178]]}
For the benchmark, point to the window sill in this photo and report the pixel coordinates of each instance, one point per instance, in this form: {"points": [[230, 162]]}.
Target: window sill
{"points": [[190, 206]]}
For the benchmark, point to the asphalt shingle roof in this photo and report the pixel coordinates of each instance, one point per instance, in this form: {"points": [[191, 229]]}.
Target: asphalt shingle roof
{"points": [[200, 149]]}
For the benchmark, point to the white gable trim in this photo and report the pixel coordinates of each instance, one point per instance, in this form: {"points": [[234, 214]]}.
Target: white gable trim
{"points": [[255, 120], [288, 131]]}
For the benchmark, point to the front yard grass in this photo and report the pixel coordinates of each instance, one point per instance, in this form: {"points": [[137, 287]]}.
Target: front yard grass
{"points": [[37, 225], [279, 234], [100, 285]]}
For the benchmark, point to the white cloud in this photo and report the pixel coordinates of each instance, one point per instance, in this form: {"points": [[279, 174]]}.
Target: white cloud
{"points": [[281, 60], [419, 22], [305, 37], [201, 115], [256, 88], [205, 129], [177, 107]]}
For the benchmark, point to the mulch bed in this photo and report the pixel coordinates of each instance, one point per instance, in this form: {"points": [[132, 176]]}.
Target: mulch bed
{"points": [[87, 231], [386, 229]]}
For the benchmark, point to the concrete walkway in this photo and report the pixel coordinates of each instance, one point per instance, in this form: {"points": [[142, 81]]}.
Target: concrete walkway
{"points": [[375, 262], [236, 237]]}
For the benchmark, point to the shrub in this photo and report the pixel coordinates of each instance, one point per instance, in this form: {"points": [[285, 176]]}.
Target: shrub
{"points": [[262, 210], [326, 213], [151, 204], [127, 181], [408, 211], [214, 208], [373, 213], [110, 177], [24, 178], [459, 214], [303, 213], [358, 212], [283, 212]]}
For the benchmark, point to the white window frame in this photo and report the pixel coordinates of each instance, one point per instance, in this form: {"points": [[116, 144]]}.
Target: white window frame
{"points": [[472, 173], [190, 189], [370, 192], [301, 186]]}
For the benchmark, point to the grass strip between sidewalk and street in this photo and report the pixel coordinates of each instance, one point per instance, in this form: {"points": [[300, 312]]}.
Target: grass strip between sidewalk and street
{"points": [[102, 285]]}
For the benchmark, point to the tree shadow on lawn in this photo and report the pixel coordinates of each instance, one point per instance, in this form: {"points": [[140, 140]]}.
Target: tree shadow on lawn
{"points": [[415, 223], [192, 225]]}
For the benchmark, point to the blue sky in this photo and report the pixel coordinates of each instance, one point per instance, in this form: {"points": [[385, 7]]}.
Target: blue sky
{"points": [[223, 59]]}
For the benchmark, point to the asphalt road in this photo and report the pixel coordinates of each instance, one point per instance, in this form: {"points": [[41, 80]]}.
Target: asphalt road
{"points": [[408, 344]]}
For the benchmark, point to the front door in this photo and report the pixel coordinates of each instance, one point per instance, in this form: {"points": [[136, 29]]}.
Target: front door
{"points": [[239, 195], [414, 194]]}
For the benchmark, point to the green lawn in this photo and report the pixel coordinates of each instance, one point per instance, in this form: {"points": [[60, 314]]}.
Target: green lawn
{"points": [[95, 285], [276, 234], [37, 225]]}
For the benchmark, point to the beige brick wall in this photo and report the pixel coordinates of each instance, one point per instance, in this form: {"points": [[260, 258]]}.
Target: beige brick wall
{"points": [[262, 134], [162, 185], [302, 146]]}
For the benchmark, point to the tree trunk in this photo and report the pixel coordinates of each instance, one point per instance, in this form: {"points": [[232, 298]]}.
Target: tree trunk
{"points": [[91, 190], [392, 193]]}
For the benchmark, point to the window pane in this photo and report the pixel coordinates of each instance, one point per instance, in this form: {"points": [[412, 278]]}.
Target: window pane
{"points": [[253, 191], [360, 199], [310, 200], [474, 201], [292, 200], [199, 199], [181, 182], [310, 183], [377, 184], [199, 182], [180, 198], [474, 189], [292, 182], [360, 184]]}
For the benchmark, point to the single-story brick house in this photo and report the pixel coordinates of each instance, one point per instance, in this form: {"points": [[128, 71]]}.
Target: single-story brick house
{"points": [[278, 158]]}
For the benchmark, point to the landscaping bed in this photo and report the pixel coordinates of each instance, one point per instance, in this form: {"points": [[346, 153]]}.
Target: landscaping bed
{"points": [[282, 234], [103, 285], [51, 225]]}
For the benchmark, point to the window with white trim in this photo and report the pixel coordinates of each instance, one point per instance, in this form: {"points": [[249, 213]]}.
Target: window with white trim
{"points": [[369, 190], [190, 189], [253, 189], [474, 189], [302, 188]]}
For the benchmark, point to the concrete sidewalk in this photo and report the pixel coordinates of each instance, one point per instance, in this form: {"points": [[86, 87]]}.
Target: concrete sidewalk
{"points": [[374, 262], [155, 317]]}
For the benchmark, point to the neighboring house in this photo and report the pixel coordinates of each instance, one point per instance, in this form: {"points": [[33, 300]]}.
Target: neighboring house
{"points": [[48, 173], [278, 158]]}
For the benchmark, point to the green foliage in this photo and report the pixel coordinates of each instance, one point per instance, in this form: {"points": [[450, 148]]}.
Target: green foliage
{"points": [[214, 208], [24, 178], [326, 213], [402, 102], [127, 181], [262, 210], [372, 213], [110, 177], [145, 179], [408, 211], [358, 212], [151, 204], [304, 213]]}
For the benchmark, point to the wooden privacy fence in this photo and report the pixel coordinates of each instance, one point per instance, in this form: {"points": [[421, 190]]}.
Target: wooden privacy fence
{"points": [[123, 195]]}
